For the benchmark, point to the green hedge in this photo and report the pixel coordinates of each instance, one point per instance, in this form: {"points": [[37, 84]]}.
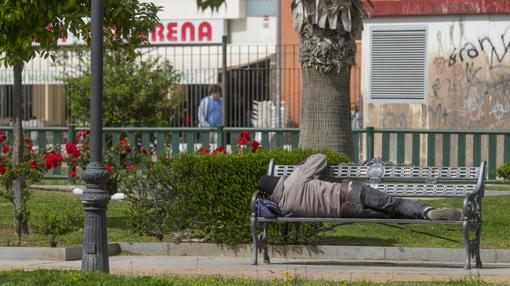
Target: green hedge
{"points": [[207, 196]]}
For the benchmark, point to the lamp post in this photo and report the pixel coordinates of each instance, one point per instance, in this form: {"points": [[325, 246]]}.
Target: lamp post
{"points": [[95, 198]]}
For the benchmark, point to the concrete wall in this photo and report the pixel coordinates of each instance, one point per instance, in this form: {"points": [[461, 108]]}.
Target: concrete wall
{"points": [[253, 30], [468, 85]]}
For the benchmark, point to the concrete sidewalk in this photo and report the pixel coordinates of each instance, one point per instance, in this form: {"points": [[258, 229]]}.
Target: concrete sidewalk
{"points": [[282, 268]]}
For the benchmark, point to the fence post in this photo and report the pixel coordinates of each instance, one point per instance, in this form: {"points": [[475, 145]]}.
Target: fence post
{"points": [[370, 143], [224, 80], [71, 135], [220, 136]]}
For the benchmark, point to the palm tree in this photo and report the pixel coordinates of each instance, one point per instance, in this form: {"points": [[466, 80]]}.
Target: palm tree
{"points": [[327, 50]]}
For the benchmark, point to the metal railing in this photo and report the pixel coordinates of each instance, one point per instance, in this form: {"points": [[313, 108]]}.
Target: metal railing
{"points": [[246, 72], [404, 146]]}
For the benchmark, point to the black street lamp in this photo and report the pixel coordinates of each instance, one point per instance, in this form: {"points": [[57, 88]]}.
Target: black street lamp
{"points": [[96, 196]]}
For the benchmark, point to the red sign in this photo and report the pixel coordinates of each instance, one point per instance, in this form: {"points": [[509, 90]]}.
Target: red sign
{"points": [[168, 32], [187, 32]]}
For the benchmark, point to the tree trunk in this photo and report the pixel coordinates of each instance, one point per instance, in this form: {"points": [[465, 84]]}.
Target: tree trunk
{"points": [[21, 221], [326, 111]]}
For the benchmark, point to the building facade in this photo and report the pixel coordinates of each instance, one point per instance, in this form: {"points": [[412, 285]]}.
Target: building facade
{"points": [[437, 65]]}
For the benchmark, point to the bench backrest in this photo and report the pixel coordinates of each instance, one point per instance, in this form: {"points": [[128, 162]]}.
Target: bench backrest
{"points": [[404, 181]]}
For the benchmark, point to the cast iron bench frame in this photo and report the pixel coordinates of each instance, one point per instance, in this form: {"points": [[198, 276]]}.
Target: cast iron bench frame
{"points": [[400, 181]]}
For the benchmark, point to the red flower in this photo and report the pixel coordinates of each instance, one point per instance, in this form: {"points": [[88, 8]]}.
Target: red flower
{"points": [[3, 170], [243, 140], [203, 150], [124, 145], [28, 144], [5, 149], [246, 134], [70, 148], [76, 153], [143, 151], [219, 150], [52, 160], [254, 146], [108, 168], [73, 173], [79, 135], [130, 166], [2, 136], [33, 165]]}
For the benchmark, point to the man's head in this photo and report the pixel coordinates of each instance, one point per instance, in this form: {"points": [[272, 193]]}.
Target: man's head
{"points": [[215, 92], [267, 184]]}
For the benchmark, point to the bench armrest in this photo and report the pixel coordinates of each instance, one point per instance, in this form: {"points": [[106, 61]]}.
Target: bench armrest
{"points": [[473, 205], [254, 199]]}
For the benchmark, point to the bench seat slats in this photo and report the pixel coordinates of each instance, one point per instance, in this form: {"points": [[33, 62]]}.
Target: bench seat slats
{"points": [[425, 190], [353, 220], [398, 172]]}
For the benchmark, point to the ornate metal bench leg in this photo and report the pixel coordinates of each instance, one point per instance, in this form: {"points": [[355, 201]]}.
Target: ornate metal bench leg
{"points": [[467, 247], [264, 238], [254, 248], [477, 246]]}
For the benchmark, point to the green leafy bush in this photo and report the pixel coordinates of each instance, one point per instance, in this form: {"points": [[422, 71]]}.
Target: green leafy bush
{"points": [[151, 195], [54, 224], [503, 171], [207, 196]]}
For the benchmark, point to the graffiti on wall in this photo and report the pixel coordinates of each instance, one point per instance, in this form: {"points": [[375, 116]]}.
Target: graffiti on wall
{"points": [[484, 46], [471, 87]]}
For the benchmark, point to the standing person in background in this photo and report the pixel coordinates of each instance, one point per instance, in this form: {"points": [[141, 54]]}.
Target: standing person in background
{"points": [[210, 111]]}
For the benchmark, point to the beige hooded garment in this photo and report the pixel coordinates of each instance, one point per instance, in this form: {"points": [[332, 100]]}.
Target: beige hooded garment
{"points": [[304, 195]]}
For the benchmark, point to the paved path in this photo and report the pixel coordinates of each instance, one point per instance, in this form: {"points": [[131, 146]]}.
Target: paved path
{"points": [[282, 268]]}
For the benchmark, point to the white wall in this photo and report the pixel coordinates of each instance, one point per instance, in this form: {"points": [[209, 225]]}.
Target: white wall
{"points": [[187, 9], [253, 30]]}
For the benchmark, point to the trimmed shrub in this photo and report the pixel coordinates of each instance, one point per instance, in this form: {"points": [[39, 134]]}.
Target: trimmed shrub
{"points": [[503, 171], [208, 196], [55, 224]]}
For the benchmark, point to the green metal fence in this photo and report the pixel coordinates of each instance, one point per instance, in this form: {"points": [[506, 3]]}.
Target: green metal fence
{"points": [[404, 146]]}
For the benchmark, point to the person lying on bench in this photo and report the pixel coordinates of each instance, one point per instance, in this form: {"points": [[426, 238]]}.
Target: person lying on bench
{"points": [[303, 195]]}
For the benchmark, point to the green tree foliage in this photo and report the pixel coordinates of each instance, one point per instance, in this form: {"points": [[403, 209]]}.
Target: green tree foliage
{"points": [[45, 21], [31, 27], [136, 93]]}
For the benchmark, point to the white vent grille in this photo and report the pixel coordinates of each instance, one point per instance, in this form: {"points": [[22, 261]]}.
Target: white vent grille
{"points": [[398, 60]]}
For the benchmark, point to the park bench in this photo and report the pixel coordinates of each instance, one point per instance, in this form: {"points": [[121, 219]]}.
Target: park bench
{"points": [[400, 181]]}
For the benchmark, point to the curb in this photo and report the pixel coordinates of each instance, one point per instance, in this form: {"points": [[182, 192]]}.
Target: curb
{"points": [[276, 251], [49, 253], [316, 252]]}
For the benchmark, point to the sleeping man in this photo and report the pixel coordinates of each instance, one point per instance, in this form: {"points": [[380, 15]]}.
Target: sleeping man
{"points": [[302, 195]]}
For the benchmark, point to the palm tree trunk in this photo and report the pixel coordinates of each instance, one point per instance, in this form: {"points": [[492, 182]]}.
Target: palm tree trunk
{"points": [[326, 111], [20, 216]]}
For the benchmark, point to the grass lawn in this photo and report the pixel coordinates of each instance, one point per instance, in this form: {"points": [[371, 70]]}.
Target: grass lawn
{"points": [[495, 231], [75, 278]]}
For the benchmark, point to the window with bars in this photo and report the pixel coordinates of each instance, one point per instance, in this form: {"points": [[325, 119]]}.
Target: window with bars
{"points": [[398, 63]]}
